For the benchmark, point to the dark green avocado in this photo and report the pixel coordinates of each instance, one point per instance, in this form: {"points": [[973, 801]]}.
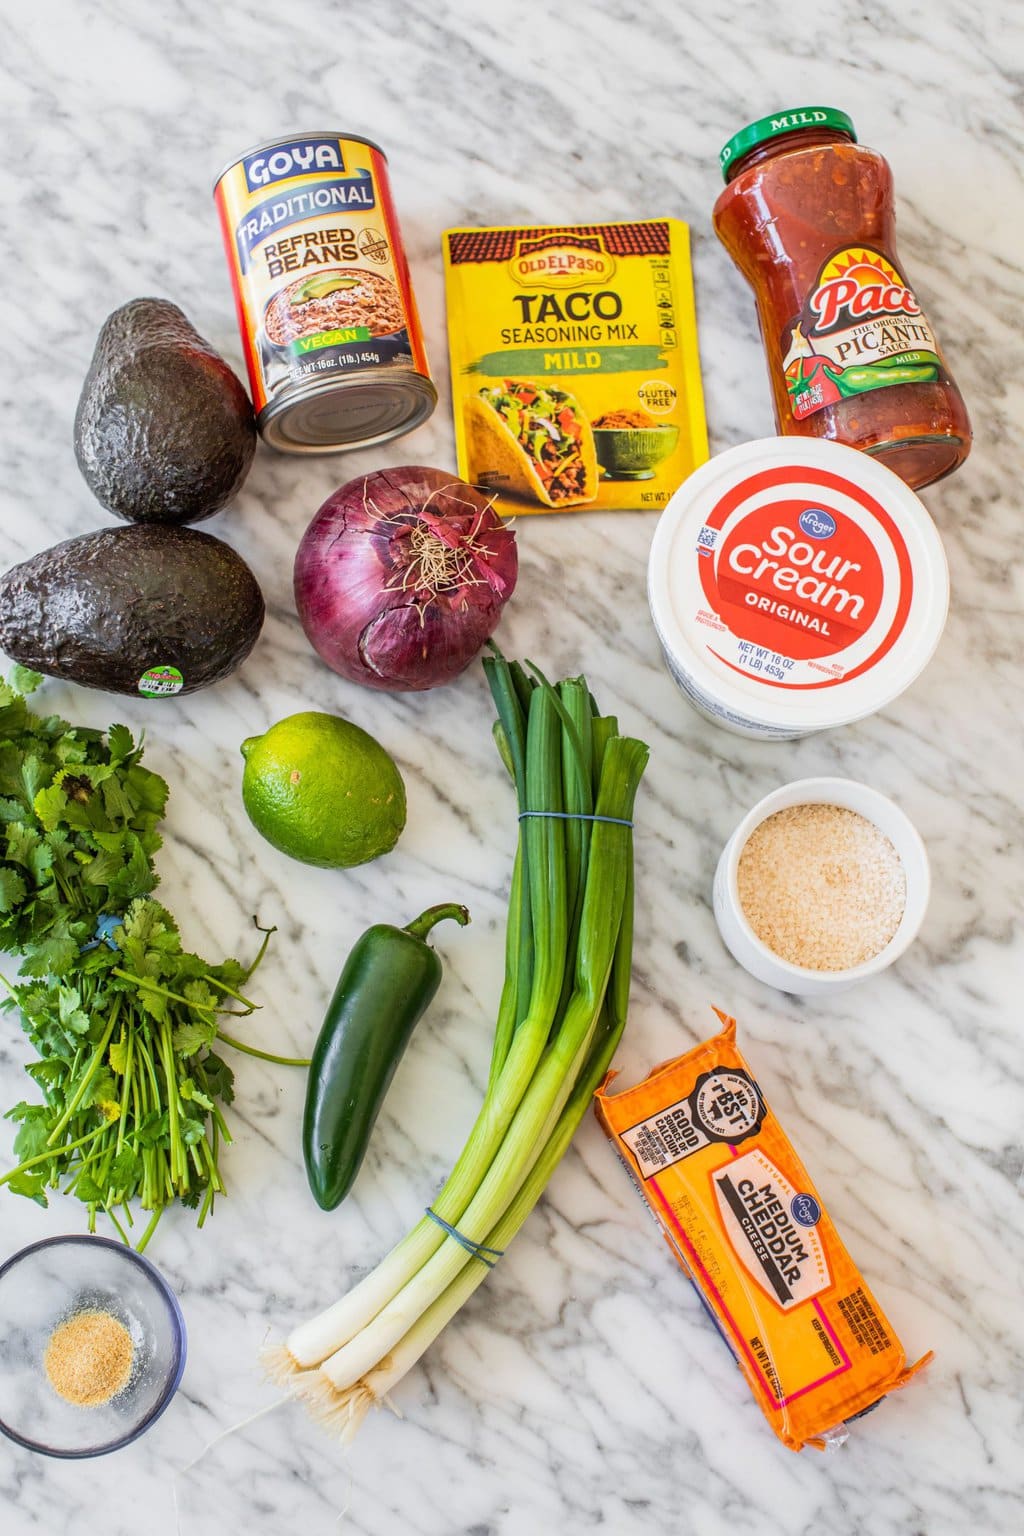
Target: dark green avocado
{"points": [[164, 431], [147, 610]]}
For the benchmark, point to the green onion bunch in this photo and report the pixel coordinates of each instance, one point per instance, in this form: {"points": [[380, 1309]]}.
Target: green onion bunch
{"points": [[562, 1011]]}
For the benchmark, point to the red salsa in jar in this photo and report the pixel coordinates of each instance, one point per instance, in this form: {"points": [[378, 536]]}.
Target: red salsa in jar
{"points": [[808, 217]]}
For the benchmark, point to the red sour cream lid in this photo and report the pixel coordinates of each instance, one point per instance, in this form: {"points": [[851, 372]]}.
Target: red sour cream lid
{"points": [[796, 584]]}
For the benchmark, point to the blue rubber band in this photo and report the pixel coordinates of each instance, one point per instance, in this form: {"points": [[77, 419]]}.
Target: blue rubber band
{"points": [[475, 1250], [615, 821], [104, 931]]}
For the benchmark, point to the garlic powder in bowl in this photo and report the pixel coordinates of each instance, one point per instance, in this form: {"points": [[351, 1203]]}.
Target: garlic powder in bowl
{"points": [[822, 886], [824, 883]]}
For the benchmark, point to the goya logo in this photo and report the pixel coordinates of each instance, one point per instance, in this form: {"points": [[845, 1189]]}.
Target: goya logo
{"points": [[561, 264], [302, 157], [859, 285], [817, 523]]}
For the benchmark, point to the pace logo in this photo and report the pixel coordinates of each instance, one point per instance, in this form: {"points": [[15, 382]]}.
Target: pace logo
{"points": [[302, 157]]}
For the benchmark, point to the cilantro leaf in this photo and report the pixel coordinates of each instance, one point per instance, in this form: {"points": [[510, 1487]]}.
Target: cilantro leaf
{"points": [[21, 842], [120, 743], [148, 790], [135, 877], [31, 1183], [192, 1095], [53, 955], [187, 1039], [124, 1170], [23, 679], [35, 775], [118, 1055], [33, 1131], [12, 889], [217, 1078], [72, 1015], [88, 1190], [50, 805]]}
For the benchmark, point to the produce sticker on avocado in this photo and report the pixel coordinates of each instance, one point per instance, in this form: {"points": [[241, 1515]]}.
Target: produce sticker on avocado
{"points": [[575, 373], [156, 682]]}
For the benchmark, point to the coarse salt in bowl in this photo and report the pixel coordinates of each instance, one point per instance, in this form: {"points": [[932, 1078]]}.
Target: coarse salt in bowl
{"points": [[811, 930], [795, 584]]}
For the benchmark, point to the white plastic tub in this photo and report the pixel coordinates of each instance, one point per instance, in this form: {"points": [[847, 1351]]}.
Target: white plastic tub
{"points": [[795, 584]]}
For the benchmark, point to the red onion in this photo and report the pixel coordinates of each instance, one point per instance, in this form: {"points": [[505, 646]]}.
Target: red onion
{"points": [[401, 577]]}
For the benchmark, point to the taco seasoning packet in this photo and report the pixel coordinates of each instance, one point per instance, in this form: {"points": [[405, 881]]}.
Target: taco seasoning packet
{"points": [[575, 374], [748, 1227]]}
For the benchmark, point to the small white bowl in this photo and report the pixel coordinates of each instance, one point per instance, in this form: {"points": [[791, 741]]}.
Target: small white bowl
{"points": [[752, 953]]}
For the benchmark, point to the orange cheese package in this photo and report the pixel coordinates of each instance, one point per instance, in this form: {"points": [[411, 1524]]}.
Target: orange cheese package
{"points": [[748, 1227]]}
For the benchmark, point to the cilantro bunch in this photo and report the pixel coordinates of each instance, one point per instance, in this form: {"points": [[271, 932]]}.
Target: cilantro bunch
{"points": [[122, 1018]]}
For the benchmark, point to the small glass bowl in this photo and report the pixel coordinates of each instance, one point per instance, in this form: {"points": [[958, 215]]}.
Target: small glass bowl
{"points": [[46, 1284]]}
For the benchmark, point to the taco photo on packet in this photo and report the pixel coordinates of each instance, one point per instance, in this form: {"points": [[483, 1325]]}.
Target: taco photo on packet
{"points": [[535, 441]]}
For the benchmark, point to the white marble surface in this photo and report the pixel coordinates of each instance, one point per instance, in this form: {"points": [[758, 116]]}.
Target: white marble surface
{"points": [[582, 1388]]}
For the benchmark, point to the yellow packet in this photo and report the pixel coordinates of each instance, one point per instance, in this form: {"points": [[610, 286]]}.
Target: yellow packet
{"points": [[748, 1227], [575, 374]]}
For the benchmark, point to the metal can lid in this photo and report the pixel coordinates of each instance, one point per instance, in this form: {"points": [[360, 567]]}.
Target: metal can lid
{"points": [[792, 120], [331, 415], [797, 584]]}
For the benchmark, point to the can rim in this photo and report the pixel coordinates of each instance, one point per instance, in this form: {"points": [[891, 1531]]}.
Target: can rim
{"points": [[290, 138], [420, 386]]}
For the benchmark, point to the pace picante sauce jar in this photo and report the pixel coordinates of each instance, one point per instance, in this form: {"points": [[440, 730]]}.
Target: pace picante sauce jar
{"points": [[325, 305], [808, 217]]}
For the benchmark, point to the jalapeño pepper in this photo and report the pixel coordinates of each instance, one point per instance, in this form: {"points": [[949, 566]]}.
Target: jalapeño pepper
{"points": [[386, 986], [855, 381]]}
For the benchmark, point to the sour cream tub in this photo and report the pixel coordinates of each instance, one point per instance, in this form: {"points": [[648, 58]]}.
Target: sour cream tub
{"points": [[795, 585]]}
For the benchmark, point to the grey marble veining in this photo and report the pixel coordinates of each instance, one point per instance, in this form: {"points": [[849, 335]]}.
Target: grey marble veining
{"points": [[582, 1388]]}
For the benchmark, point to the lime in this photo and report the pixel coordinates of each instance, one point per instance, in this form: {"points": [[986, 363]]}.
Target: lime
{"points": [[323, 791]]}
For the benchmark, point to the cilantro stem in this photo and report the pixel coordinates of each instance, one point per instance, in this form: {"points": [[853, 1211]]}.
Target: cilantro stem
{"points": [[214, 1182], [52, 1152], [179, 1162], [250, 1050], [123, 1118], [223, 987], [146, 983], [90, 1072], [221, 1124], [150, 1229], [122, 1234], [266, 932]]}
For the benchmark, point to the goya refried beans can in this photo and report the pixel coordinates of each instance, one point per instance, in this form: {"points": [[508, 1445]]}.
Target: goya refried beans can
{"points": [[325, 306]]}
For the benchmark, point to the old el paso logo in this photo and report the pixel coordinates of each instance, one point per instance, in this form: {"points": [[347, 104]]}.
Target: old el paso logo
{"points": [[561, 266], [859, 285], [301, 157]]}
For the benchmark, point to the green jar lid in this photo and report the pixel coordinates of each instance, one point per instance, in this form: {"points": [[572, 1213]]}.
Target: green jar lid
{"points": [[792, 120]]}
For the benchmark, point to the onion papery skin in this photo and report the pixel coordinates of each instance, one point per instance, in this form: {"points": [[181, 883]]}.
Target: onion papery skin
{"points": [[402, 576]]}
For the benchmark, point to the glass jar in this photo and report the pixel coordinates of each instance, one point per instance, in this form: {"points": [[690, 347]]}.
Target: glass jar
{"points": [[808, 217]]}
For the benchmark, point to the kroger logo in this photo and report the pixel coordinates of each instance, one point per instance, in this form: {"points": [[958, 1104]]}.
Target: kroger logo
{"points": [[805, 1209], [300, 158], [817, 524]]}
